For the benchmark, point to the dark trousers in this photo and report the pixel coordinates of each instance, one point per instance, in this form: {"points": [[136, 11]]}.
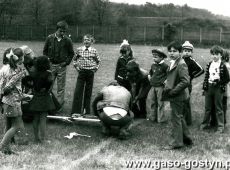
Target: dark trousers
{"points": [[213, 121], [187, 112], [139, 108], [83, 92], [179, 130], [187, 107], [214, 100]]}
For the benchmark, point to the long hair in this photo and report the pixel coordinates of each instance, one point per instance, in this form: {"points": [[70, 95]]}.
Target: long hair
{"points": [[5, 59]]}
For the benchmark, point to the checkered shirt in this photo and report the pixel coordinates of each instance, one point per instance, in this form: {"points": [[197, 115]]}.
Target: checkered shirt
{"points": [[86, 59]]}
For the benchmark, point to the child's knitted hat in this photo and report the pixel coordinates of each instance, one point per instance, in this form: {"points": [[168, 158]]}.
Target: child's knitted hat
{"points": [[187, 45], [125, 42]]}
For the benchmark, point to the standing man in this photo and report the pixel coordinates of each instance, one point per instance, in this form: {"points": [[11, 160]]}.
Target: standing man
{"points": [[59, 49]]}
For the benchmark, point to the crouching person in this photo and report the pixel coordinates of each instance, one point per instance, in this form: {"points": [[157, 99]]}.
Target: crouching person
{"points": [[111, 105]]}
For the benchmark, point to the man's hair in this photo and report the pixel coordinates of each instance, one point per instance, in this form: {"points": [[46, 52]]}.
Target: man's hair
{"points": [[216, 50], [176, 45], [62, 24]]}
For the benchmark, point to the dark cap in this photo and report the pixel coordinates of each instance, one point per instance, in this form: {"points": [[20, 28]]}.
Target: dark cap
{"points": [[159, 52]]}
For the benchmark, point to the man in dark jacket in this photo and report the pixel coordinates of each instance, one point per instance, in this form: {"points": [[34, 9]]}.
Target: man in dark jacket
{"points": [[59, 49]]}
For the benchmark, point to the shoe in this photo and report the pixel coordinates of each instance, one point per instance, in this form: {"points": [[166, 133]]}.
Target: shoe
{"points": [[188, 141], [219, 131], [204, 127], [8, 151], [76, 115], [170, 147], [106, 131], [124, 134]]}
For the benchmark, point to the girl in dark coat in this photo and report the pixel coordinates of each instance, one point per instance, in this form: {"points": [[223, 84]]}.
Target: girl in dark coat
{"points": [[42, 101], [121, 71]]}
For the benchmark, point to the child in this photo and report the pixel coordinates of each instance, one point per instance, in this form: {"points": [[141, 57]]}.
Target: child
{"points": [[42, 101], [157, 77], [176, 92], [10, 90], [121, 72], [213, 121], [225, 59], [87, 62], [140, 86], [194, 70], [216, 78]]}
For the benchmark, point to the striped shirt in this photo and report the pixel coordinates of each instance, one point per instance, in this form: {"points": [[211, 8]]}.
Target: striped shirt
{"points": [[86, 59]]}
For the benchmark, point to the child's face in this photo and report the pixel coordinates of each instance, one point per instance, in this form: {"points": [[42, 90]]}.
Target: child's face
{"points": [[157, 58], [87, 41], [173, 53], [216, 57], [187, 52]]}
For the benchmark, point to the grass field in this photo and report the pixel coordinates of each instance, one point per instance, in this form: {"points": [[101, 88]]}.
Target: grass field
{"points": [[99, 152]]}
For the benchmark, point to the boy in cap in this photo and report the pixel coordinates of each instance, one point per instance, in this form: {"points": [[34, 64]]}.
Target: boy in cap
{"points": [[194, 70], [157, 77]]}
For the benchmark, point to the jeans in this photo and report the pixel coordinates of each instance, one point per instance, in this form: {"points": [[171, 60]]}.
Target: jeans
{"points": [[59, 73], [83, 92]]}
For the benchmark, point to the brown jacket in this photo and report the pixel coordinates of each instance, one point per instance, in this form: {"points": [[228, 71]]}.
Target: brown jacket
{"points": [[177, 82]]}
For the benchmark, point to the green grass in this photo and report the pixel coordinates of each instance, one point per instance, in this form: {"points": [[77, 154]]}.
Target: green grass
{"points": [[99, 152]]}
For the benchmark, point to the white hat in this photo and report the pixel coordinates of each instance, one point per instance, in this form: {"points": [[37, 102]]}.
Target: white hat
{"points": [[187, 45], [125, 42]]}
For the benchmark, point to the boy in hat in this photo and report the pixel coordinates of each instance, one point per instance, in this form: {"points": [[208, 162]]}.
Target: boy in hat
{"points": [[194, 70], [157, 77]]}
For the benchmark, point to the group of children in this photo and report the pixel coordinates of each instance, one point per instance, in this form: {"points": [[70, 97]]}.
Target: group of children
{"points": [[145, 94], [173, 82]]}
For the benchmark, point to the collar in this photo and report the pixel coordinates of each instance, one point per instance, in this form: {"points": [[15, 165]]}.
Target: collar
{"points": [[217, 62], [161, 62], [84, 48], [58, 38]]}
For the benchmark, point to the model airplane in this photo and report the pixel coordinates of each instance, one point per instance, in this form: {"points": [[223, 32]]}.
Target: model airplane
{"points": [[75, 117]]}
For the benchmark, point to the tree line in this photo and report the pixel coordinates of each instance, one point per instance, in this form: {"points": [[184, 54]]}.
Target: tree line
{"points": [[89, 12]]}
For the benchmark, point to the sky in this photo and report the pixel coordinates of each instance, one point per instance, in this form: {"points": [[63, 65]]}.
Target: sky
{"points": [[220, 7]]}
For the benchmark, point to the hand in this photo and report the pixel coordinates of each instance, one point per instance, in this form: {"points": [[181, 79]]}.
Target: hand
{"points": [[171, 93]]}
